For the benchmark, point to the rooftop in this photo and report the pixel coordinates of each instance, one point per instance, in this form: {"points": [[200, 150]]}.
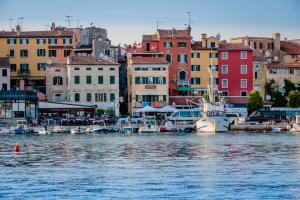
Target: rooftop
{"points": [[4, 62], [173, 33], [36, 34], [233, 46], [197, 45], [89, 60], [148, 60], [284, 65], [291, 48], [148, 38]]}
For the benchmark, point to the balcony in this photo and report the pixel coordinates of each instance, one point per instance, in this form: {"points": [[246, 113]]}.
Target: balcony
{"points": [[183, 82], [24, 72]]}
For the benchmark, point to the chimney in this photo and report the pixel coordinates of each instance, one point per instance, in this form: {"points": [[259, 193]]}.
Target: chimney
{"points": [[285, 39], [203, 39], [276, 40], [52, 26], [18, 28], [173, 32]]}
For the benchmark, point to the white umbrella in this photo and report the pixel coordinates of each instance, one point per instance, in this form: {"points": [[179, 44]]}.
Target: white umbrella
{"points": [[167, 109], [147, 109]]}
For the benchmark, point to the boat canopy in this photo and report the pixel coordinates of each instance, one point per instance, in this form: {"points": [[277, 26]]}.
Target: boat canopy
{"points": [[184, 89], [147, 109], [167, 109]]}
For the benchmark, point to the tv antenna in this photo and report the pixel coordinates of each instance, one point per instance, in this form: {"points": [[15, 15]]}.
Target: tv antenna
{"points": [[157, 24], [46, 26], [189, 14], [20, 20], [10, 23], [69, 20]]}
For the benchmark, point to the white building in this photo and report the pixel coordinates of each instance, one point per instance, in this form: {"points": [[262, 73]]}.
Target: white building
{"points": [[93, 81], [4, 73]]}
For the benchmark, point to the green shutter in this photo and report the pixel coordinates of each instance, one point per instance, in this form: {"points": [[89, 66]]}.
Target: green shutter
{"points": [[77, 79], [112, 79], [100, 79], [88, 80]]}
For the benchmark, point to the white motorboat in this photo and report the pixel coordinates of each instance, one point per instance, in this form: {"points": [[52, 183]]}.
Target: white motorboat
{"points": [[149, 126], [97, 127], [6, 130], [213, 118], [77, 130], [296, 126]]}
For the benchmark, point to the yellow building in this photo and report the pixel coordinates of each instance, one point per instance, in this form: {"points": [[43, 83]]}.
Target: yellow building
{"points": [[148, 82], [31, 51], [259, 74], [204, 54]]}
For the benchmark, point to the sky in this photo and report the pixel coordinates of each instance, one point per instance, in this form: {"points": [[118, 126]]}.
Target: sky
{"points": [[127, 20]]}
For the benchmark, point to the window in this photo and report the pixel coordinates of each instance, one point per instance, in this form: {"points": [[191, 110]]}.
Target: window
{"points": [[212, 44], [213, 55], [11, 41], [77, 79], [24, 53], [41, 41], [224, 55], [261, 45], [243, 83], [213, 67], [243, 54], [168, 44], [57, 80], [24, 68], [224, 69], [88, 79], [77, 97], [57, 97], [243, 93], [52, 41], [225, 93], [4, 72], [256, 75], [24, 41], [100, 97], [100, 79], [182, 75], [112, 79], [76, 68], [243, 69], [182, 58], [107, 52], [88, 97], [11, 53], [147, 46], [254, 45], [111, 69], [169, 58], [195, 55], [112, 96], [195, 81], [67, 41], [41, 52], [272, 71], [88, 69], [224, 83], [195, 67], [4, 86], [100, 69], [52, 53], [181, 44], [41, 66], [13, 67], [67, 53]]}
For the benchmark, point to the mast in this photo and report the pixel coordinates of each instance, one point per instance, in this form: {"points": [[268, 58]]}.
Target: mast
{"points": [[211, 83]]}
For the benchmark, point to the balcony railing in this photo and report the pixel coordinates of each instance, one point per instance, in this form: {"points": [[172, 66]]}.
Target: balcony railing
{"points": [[24, 72], [183, 82]]}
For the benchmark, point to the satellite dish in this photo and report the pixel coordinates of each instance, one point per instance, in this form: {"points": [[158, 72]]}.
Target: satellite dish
{"points": [[268, 97], [129, 55], [276, 58], [49, 62], [267, 53]]}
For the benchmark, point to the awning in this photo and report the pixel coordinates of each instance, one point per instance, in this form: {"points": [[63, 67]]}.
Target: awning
{"points": [[147, 109], [167, 109], [184, 89]]}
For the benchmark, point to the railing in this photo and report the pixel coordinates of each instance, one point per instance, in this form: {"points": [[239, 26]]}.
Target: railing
{"points": [[24, 72], [183, 82]]}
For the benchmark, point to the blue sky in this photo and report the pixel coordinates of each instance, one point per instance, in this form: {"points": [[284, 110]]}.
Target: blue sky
{"points": [[127, 20]]}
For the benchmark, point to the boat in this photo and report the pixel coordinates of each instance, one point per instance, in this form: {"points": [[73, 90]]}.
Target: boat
{"points": [[97, 127], [213, 118], [77, 130], [6, 130], [149, 126], [21, 127], [296, 126]]}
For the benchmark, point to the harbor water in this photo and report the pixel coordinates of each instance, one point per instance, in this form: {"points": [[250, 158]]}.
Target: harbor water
{"points": [[222, 166]]}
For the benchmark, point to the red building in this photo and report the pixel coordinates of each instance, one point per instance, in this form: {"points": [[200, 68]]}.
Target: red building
{"points": [[175, 46], [235, 67]]}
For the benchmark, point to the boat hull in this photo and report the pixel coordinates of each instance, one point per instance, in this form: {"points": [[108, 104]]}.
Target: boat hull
{"points": [[212, 125]]}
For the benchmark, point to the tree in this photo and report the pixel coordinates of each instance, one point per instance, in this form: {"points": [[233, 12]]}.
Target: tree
{"points": [[254, 101], [294, 99], [289, 86], [277, 97]]}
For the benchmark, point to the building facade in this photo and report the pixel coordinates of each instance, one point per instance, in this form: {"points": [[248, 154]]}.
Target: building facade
{"points": [[4, 73], [235, 67], [259, 74], [93, 81], [29, 52], [148, 82], [204, 55], [56, 82]]}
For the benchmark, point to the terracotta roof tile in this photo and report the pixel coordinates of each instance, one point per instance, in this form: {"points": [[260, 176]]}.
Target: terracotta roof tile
{"points": [[4, 62], [89, 60], [148, 60], [148, 38], [36, 34], [233, 46], [173, 33], [284, 65], [291, 48]]}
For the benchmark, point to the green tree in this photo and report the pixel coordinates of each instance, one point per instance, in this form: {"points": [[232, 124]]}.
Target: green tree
{"points": [[294, 99], [277, 98], [254, 101], [289, 86]]}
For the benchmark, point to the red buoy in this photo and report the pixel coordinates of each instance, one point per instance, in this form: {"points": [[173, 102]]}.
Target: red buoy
{"points": [[17, 148]]}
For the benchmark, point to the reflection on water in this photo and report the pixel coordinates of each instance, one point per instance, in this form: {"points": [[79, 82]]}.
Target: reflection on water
{"points": [[240, 166]]}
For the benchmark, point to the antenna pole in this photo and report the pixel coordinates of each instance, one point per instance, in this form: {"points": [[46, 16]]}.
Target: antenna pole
{"points": [[157, 24], [189, 14], [20, 19], [69, 20], [10, 23]]}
